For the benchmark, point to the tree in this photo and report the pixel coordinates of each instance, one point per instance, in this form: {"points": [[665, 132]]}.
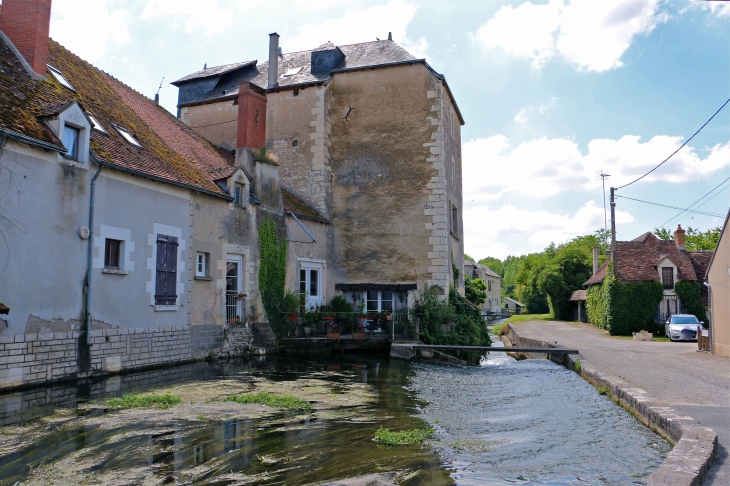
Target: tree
{"points": [[468, 258], [493, 263], [695, 239], [475, 290]]}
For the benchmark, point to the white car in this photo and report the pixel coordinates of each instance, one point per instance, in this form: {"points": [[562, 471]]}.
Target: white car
{"points": [[683, 327]]}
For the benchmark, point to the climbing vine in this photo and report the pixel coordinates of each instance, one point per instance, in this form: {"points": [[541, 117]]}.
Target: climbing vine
{"points": [[690, 294], [272, 272]]}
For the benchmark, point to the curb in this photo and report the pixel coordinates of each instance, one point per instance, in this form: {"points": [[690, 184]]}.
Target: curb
{"points": [[694, 445]]}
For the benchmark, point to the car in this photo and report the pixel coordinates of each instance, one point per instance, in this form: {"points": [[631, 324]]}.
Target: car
{"points": [[683, 327]]}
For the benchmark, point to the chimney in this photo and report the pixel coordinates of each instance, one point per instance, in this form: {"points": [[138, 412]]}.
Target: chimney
{"points": [[273, 60], [595, 260], [679, 238], [26, 23], [251, 117]]}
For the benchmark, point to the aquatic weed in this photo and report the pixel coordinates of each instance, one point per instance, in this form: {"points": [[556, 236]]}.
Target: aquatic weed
{"points": [[130, 400], [276, 401], [576, 366], [602, 390], [403, 437]]}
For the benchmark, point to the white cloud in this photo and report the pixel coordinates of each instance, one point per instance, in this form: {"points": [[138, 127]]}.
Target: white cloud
{"points": [[592, 35], [545, 167], [362, 26], [513, 231], [721, 9], [86, 28], [523, 115], [212, 18]]}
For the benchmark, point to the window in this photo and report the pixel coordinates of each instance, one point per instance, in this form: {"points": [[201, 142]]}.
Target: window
{"points": [[293, 71], [489, 285], [454, 221], [379, 300], [96, 125], [238, 195], [71, 141], [668, 277], [126, 135], [166, 270], [112, 251], [201, 264], [60, 78]]}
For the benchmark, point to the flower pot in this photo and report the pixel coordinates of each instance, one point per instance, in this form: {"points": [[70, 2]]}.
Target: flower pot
{"points": [[333, 335], [358, 335], [328, 318]]}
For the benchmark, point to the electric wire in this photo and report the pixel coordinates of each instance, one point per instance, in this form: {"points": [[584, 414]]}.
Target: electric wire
{"points": [[704, 213], [697, 201], [712, 197], [680, 148]]}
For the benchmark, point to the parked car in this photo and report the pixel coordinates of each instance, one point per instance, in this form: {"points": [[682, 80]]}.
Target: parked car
{"points": [[683, 327]]}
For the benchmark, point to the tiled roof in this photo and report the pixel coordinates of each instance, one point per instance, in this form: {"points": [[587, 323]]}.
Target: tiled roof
{"points": [[486, 269], [578, 295], [295, 204], [172, 151], [214, 71], [637, 260]]}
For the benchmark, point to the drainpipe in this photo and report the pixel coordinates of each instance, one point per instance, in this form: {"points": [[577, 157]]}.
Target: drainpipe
{"points": [[89, 256], [712, 307]]}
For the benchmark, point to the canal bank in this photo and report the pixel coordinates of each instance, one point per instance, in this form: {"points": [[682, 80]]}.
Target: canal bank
{"points": [[673, 381]]}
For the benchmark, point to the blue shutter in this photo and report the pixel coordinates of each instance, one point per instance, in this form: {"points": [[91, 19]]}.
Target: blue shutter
{"points": [[161, 273], [171, 270]]}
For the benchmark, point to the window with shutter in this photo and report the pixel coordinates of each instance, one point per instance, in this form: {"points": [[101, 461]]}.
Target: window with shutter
{"points": [[166, 271]]}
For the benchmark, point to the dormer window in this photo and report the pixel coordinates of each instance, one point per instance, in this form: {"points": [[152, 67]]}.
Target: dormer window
{"points": [[96, 125], [126, 135], [60, 78], [668, 277], [71, 141]]}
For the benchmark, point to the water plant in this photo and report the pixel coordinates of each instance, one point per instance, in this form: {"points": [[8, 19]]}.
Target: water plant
{"points": [[576, 366], [602, 390], [130, 400], [276, 401], [402, 437]]}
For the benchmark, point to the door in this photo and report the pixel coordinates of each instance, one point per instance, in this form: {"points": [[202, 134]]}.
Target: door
{"points": [[310, 283], [235, 301]]}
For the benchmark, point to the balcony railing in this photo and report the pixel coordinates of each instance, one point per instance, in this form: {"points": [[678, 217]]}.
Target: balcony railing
{"points": [[331, 324]]}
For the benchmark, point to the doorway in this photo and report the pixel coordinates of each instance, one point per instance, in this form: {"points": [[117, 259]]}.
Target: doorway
{"points": [[235, 299], [310, 283]]}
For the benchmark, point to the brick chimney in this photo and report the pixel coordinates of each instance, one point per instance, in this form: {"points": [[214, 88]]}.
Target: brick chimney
{"points": [[26, 23], [679, 238], [251, 117]]}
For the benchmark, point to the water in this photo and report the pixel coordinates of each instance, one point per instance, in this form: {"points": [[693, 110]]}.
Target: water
{"points": [[506, 422]]}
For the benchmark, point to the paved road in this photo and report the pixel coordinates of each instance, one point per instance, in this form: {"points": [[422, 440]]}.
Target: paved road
{"points": [[676, 374]]}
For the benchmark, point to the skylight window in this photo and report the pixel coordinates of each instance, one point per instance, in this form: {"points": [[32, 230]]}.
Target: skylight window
{"points": [[128, 137], [294, 71], [96, 125], [59, 77]]}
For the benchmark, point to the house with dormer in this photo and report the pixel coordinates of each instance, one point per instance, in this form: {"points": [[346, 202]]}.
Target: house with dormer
{"points": [[368, 145]]}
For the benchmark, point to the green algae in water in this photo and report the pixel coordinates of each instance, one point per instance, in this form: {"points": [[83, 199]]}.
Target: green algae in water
{"points": [[402, 437], [276, 401], [130, 400]]}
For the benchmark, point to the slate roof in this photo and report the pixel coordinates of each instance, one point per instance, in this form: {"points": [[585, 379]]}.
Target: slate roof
{"points": [[637, 260], [295, 204], [487, 270], [214, 71], [172, 152], [578, 295], [514, 301]]}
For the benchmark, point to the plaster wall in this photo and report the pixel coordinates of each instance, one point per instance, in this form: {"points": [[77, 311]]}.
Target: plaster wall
{"points": [[216, 122], [301, 248], [718, 276]]}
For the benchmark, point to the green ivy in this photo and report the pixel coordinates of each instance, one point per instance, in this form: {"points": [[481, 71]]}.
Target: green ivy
{"points": [[272, 273], [690, 294], [624, 308]]}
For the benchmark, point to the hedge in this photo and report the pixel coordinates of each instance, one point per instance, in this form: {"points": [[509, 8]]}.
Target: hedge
{"points": [[690, 294]]}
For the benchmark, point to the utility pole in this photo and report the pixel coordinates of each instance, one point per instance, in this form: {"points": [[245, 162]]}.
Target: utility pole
{"points": [[613, 231]]}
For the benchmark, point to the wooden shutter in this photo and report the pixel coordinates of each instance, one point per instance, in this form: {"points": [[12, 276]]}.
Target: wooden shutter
{"points": [[171, 270], [161, 273]]}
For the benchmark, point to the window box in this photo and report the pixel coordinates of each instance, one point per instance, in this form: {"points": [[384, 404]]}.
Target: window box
{"points": [[114, 271]]}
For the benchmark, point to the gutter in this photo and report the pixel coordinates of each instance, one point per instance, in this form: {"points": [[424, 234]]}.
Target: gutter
{"points": [[303, 227], [87, 326], [34, 142]]}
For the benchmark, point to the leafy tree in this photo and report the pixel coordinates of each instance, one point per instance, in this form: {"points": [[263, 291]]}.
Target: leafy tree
{"points": [[468, 258], [695, 239], [493, 263], [475, 290]]}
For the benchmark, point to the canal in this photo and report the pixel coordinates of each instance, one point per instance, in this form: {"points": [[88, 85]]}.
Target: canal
{"points": [[504, 422]]}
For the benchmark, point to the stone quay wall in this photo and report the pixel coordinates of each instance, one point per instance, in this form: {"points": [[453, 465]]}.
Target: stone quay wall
{"points": [[694, 445]]}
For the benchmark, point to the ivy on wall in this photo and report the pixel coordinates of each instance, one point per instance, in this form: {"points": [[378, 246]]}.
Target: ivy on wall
{"points": [[272, 272], [690, 294], [624, 308]]}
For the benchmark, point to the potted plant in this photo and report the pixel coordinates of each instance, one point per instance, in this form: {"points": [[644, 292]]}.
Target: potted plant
{"points": [[358, 331], [333, 329]]}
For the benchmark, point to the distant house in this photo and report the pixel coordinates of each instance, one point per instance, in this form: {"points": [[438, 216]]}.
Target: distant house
{"points": [[578, 298], [514, 305], [493, 282], [648, 258], [718, 279]]}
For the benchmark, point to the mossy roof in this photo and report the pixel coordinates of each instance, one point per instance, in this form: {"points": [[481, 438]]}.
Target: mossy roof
{"points": [[295, 204], [171, 151]]}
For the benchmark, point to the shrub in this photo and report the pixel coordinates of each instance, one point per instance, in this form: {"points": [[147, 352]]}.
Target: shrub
{"points": [[130, 400], [403, 437], [690, 294], [276, 401]]}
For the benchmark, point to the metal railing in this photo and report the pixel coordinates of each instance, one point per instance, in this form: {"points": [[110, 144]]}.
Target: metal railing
{"points": [[387, 325], [234, 308]]}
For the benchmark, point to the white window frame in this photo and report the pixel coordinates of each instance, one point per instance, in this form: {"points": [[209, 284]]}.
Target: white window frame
{"points": [[96, 124], [307, 265], [379, 300], [60, 77], [202, 264], [127, 135]]}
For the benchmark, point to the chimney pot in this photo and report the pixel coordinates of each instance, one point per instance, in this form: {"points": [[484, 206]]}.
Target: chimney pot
{"points": [[273, 59], [157, 98], [26, 23], [679, 238], [390, 36], [595, 260]]}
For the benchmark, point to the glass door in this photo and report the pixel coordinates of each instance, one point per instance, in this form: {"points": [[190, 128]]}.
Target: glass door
{"points": [[310, 283], [234, 296]]}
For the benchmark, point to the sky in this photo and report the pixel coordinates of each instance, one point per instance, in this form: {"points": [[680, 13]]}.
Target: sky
{"points": [[552, 92]]}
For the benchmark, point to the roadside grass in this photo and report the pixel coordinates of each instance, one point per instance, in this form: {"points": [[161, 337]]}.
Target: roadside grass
{"points": [[661, 339], [403, 437], [276, 401], [130, 400], [501, 329]]}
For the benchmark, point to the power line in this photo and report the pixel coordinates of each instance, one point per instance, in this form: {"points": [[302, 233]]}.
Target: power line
{"points": [[680, 148], [700, 199], [704, 213], [712, 197]]}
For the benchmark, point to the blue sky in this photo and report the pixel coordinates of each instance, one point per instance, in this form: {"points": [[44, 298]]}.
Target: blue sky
{"points": [[552, 91]]}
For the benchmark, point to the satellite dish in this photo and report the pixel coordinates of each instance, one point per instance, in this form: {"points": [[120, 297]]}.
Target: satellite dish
{"points": [[84, 233]]}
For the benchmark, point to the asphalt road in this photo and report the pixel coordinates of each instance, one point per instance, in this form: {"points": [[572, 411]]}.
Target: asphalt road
{"points": [[675, 374]]}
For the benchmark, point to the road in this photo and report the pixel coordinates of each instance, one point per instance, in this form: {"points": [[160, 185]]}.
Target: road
{"points": [[675, 374]]}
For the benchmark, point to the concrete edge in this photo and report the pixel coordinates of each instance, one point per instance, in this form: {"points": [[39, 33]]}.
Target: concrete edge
{"points": [[694, 445]]}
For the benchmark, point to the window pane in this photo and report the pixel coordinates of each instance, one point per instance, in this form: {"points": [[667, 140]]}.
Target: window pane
{"points": [[232, 277], [303, 281], [71, 141], [372, 306], [201, 264], [314, 283], [386, 303]]}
